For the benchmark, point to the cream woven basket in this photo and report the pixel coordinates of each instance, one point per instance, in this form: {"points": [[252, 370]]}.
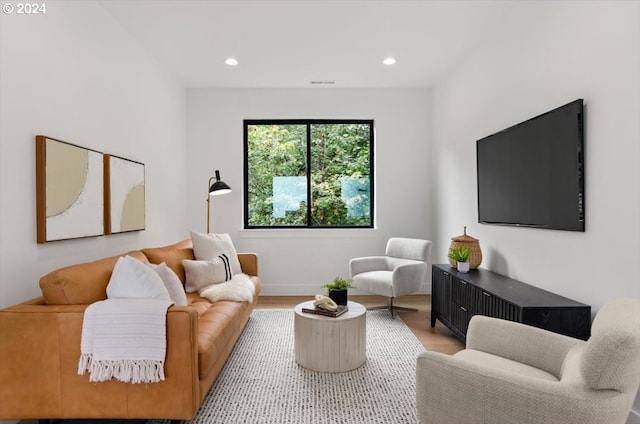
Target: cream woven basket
{"points": [[475, 258]]}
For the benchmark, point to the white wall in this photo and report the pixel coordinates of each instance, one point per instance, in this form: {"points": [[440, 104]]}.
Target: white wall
{"points": [[544, 57], [74, 74], [296, 262]]}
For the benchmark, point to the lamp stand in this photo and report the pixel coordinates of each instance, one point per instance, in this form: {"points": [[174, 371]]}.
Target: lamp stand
{"points": [[215, 189], [209, 205]]}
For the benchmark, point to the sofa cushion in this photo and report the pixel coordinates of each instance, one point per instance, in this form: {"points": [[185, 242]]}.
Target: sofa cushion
{"points": [[81, 284], [497, 362], [217, 323], [209, 246], [172, 255], [131, 279], [216, 327]]}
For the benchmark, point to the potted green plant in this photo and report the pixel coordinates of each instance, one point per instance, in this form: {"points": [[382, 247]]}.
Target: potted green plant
{"points": [[338, 290], [461, 256]]}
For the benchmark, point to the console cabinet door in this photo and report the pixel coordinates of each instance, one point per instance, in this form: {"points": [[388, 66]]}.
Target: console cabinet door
{"points": [[495, 307], [464, 302], [441, 296]]}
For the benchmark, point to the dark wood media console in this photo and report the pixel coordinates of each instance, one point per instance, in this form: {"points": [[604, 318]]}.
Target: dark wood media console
{"points": [[456, 297]]}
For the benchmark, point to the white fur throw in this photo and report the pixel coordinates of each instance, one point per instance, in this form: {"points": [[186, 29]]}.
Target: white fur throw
{"points": [[124, 339], [239, 289]]}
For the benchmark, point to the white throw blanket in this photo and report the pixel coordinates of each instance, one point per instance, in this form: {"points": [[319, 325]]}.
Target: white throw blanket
{"points": [[239, 289], [124, 339]]}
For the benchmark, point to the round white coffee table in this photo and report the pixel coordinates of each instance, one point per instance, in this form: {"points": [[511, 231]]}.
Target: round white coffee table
{"points": [[327, 344]]}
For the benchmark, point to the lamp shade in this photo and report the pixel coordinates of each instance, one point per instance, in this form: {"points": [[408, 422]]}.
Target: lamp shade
{"points": [[219, 187]]}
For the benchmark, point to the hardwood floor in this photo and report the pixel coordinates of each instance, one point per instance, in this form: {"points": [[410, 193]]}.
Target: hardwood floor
{"points": [[437, 339]]}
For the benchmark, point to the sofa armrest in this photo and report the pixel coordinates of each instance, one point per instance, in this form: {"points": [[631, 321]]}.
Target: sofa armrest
{"points": [[366, 264], [522, 343], [248, 263], [407, 278], [39, 353]]}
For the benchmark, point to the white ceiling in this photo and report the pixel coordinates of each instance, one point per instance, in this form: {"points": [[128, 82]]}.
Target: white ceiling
{"points": [[289, 43]]}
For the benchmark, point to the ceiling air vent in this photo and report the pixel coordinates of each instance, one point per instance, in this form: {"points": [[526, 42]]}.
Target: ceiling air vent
{"points": [[322, 82]]}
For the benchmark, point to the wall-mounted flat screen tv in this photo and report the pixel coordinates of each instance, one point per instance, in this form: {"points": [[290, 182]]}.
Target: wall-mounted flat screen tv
{"points": [[532, 174]]}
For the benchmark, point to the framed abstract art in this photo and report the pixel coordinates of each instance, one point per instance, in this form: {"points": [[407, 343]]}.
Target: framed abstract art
{"points": [[124, 195], [69, 191]]}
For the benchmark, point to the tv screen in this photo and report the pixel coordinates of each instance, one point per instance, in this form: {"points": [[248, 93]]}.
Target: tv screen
{"points": [[532, 174]]}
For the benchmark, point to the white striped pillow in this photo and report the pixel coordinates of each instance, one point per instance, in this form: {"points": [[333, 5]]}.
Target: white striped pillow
{"points": [[204, 273]]}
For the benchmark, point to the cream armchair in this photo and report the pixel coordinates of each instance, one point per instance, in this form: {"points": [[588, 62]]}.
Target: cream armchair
{"points": [[513, 373], [401, 271]]}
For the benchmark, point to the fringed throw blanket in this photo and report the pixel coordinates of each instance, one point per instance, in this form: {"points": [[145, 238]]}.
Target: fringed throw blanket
{"points": [[124, 339]]}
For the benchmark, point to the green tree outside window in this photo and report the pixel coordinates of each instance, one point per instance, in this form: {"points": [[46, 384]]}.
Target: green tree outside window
{"points": [[337, 190]]}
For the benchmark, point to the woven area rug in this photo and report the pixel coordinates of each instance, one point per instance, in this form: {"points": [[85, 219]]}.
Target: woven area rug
{"points": [[262, 383]]}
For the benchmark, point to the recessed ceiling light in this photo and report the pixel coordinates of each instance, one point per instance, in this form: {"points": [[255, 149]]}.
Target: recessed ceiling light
{"points": [[389, 61], [231, 62]]}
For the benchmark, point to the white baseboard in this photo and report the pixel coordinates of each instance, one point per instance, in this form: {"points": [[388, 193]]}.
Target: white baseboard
{"points": [[307, 290]]}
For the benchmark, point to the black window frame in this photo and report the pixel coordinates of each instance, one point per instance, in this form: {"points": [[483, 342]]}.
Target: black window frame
{"points": [[308, 123]]}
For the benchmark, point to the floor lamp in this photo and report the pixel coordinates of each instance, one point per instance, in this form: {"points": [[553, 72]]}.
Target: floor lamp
{"points": [[215, 189]]}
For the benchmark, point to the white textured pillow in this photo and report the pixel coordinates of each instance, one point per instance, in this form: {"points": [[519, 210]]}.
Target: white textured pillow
{"points": [[131, 279], [172, 283], [204, 273], [209, 246]]}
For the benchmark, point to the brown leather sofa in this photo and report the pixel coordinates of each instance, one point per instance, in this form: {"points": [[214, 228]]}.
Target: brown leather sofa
{"points": [[40, 347]]}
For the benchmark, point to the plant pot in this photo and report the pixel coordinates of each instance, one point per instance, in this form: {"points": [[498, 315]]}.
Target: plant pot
{"points": [[463, 267], [338, 296]]}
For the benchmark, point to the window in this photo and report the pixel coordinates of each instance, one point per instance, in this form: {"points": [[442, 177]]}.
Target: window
{"points": [[308, 173]]}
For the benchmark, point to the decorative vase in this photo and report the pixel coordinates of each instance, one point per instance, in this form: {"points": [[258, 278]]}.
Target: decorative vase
{"points": [[463, 267], [339, 296], [475, 258]]}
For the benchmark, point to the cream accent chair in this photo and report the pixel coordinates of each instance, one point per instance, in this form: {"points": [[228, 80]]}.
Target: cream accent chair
{"points": [[401, 271], [513, 373]]}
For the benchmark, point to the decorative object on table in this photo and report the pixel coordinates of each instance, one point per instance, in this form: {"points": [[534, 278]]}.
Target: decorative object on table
{"points": [[326, 303], [338, 290], [461, 256], [216, 189], [323, 305], [69, 191], [124, 195], [464, 240]]}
